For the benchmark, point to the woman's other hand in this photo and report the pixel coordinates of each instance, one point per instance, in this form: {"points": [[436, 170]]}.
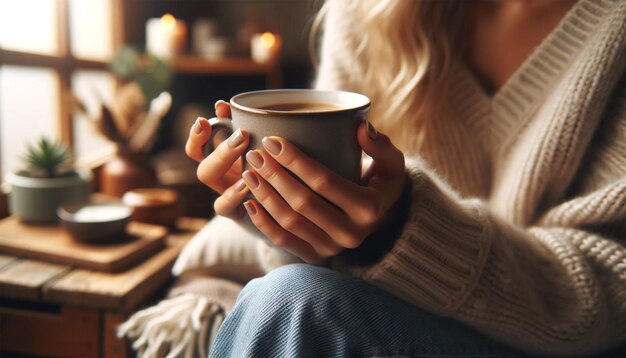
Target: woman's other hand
{"points": [[221, 169], [329, 214]]}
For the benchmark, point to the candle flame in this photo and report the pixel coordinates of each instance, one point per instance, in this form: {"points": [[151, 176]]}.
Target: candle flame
{"points": [[268, 39], [168, 21]]}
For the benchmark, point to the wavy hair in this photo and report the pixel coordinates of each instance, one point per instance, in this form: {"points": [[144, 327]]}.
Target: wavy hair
{"points": [[407, 47]]}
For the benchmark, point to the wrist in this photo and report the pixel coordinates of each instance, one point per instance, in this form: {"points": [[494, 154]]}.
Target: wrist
{"points": [[383, 238]]}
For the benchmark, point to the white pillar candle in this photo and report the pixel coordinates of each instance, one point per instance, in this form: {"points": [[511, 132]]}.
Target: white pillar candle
{"points": [[265, 47], [166, 36]]}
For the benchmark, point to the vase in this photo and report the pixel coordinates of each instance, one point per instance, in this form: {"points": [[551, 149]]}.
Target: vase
{"points": [[127, 171]]}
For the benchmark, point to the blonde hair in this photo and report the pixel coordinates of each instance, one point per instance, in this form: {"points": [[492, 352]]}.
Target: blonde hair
{"points": [[406, 46]]}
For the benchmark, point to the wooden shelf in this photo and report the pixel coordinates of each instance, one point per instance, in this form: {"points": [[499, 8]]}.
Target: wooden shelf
{"points": [[188, 64], [226, 65]]}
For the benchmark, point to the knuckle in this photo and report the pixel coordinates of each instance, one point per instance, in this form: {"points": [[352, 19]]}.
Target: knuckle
{"points": [[263, 196], [370, 210], [329, 250], [303, 203], [321, 183], [271, 175], [370, 213], [220, 158], [290, 222], [204, 176], [365, 216], [358, 240], [218, 207], [288, 158], [222, 152], [224, 206], [279, 240], [352, 240], [222, 211]]}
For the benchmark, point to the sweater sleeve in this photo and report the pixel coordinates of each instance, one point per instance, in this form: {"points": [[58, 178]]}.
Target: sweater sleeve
{"points": [[553, 288], [556, 286]]}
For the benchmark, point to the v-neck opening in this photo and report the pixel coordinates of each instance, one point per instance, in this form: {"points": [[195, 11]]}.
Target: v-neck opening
{"points": [[523, 90]]}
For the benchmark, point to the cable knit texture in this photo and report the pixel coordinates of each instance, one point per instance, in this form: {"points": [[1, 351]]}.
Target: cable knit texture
{"points": [[517, 225]]}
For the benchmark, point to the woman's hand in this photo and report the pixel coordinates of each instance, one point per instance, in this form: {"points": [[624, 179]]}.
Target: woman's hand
{"points": [[329, 214], [220, 170]]}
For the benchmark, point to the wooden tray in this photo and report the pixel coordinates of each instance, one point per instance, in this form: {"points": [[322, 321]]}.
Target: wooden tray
{"points": [[53, 244]]}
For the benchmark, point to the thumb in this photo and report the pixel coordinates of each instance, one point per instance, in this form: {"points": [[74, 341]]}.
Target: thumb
{"points": [[222, 109], [388, 160]]}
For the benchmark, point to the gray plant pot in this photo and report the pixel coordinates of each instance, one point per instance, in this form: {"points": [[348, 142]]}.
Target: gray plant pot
{"points": [[35, 200]]}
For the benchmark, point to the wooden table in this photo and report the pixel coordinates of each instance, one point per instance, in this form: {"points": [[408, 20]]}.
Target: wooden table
{"points": [[59, 310]]}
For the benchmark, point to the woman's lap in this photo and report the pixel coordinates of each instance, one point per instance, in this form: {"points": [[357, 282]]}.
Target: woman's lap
{"points": [[302, 310]]}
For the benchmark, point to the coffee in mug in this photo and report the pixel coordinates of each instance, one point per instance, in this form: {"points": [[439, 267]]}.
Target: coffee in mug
{"points": [[302, 107]]}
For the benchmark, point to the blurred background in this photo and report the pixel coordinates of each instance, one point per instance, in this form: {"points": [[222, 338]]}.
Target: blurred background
{"points": [[150, 67]]}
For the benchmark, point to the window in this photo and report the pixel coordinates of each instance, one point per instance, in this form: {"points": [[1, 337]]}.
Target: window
{"points": [[50, 49]]}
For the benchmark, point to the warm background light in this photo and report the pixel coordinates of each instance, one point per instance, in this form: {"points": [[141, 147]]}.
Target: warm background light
{"points": [[268, 39], [265, 47], [168, 21], [166, 36]]}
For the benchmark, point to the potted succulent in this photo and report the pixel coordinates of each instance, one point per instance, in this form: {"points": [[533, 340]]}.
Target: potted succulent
{"points": [[49, 181]]}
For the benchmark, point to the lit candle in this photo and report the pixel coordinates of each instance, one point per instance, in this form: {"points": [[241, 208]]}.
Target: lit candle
{"points": [[265, 47], [166, 36]]}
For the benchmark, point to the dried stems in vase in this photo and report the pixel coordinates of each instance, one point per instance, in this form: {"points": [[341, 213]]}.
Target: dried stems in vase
{"points": [[126, 123]]}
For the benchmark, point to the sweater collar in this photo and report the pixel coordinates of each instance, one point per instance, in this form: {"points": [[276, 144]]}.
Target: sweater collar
{"points": [[524, 91]]}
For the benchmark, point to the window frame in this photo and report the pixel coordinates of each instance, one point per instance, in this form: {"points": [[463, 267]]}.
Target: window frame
{"points": [[64, 63]]}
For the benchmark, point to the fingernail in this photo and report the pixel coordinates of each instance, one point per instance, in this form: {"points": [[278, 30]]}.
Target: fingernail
{"points": [[373, 133], [250, 208], [240, 185], [251, 179], [235, 139], [272, 145], [254, 158], [219, 102], [197, 127]]}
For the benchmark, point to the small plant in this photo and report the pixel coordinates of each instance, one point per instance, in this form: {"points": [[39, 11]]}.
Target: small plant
{"points": [[49, 181], [152, 74], [48, 159]]}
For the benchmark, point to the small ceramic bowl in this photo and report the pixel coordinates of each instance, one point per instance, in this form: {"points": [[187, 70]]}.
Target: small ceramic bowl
{"points": [[95, 222], [153, 205]]}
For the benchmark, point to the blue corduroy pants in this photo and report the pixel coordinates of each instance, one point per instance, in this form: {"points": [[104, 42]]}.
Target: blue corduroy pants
{"points": [[307, 311]]}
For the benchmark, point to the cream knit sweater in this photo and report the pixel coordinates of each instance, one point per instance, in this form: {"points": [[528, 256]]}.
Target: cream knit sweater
{"points": [[517, 223]]}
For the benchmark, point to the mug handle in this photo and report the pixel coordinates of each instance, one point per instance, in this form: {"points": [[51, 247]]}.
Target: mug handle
{"points": [[221, 129]]}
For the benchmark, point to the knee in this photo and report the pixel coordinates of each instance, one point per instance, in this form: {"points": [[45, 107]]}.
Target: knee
{"points": [[297, 282], [289, 304], [294, 295], [289, 311]]}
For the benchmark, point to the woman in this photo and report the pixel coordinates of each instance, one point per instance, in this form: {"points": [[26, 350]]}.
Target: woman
{"points": [[496, 199]]}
